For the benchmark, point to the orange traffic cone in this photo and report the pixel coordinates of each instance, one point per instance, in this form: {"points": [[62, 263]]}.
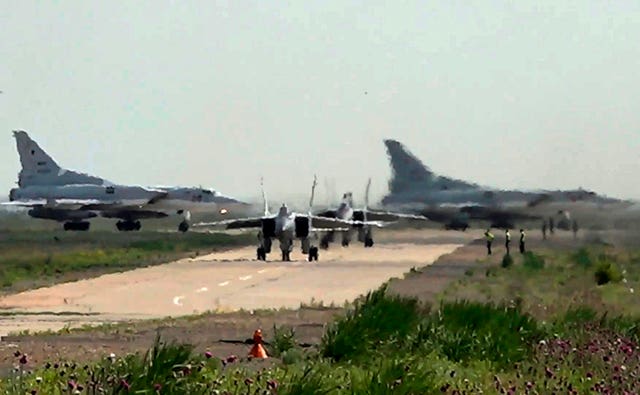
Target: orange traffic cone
{"points": [[258, 351]]}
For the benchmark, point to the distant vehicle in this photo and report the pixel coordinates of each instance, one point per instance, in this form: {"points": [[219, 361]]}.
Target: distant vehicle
{"points": [[346, 211], [285, 226], [58, 194], [414, 187]]}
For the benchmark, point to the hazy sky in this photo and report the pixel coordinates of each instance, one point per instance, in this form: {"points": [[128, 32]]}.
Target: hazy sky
{"points": [[518, 94]]}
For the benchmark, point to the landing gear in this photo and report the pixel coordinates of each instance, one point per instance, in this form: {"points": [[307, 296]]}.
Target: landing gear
{"points": [[306, 245], [368, 239], [262, 255], [313, 254], [346, 239], [267, 245], [126, 226], [325, 240], [183, 226], [286, 247], [186, 217], [76, 226]]}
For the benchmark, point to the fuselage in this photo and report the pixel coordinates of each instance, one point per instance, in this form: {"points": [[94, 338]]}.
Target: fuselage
{"points": [[118, 194], [492, 197], [285, 223]]}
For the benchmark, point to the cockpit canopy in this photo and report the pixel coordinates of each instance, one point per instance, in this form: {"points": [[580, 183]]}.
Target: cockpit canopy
{"points": [[283, 210]]}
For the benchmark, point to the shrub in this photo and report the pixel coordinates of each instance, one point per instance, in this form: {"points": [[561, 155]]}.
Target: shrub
{"points": [[374, 321], [533, 261], [583, 258], [507, 261], [607, 272], [283, 340]]}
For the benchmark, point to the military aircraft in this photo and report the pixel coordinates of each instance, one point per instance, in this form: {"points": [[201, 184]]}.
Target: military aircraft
{"points": [[415, 187], [54, 193], [287, 225], [345, 211]]}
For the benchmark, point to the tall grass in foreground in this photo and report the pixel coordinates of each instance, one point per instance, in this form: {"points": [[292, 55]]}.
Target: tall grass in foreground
{"points": [[385, 345]]}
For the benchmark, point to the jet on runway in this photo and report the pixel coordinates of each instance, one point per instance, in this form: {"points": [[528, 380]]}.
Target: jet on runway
{"points": [[287, 225], [55, 193], [415, 187], [345, 211]]}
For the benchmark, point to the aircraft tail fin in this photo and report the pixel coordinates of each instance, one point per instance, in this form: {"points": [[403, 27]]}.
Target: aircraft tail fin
{"points": [[406, 169], [38, 168], [347, 198], [264, 198], [409, 173]]}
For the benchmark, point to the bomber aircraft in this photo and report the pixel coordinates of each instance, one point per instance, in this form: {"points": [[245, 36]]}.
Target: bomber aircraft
{"points": [[414, 187], [55, 193]]}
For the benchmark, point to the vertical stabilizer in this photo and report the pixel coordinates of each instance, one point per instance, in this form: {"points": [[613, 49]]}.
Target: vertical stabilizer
{"points": [[38, 168], [406, 169], [264, 198], [409, 174]]}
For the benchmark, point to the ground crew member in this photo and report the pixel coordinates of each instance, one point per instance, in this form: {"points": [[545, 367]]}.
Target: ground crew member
{"points": [[522, 236], [575, 229], [489, 238], [544, 230], [551, 225], [507, 240]]}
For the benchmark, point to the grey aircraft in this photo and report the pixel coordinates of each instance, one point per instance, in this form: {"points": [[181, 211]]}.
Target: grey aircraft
{"points": [[285, 226], [415, 187], [54, 193], [345, 211]]}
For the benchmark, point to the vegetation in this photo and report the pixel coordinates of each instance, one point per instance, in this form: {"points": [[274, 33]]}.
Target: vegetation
{"points": [[64, 256], [388, 344]]}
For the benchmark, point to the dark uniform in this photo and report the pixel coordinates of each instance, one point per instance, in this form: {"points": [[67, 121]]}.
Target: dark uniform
{"points": [[522, 236], [544, 230]]}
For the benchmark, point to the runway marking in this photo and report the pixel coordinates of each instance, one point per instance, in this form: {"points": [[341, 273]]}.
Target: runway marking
{"points": [[176, 300], [203, 289], [263, 270], [223, 284], [245, 278]]}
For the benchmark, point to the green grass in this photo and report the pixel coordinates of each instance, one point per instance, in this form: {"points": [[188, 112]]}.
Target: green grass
{"points": [[35, 258]]}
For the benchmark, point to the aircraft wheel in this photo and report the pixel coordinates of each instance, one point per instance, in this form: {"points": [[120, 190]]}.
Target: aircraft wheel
{"points": [[137, 225], [267, 245], [262, 256], [345, 243], [285, 256], [313, 254], [368, 242], [183, 227]]}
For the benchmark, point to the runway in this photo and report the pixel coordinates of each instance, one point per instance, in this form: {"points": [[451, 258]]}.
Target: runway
{"points": [[225, 281]]}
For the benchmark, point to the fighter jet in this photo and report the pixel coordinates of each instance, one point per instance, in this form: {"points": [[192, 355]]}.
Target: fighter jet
{"points": [[345, 211], [285, 226], [55, 193], [415, 187]]}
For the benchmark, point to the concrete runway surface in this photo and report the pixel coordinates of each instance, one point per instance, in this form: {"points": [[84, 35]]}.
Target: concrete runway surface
{"points": [[222, 281]]}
